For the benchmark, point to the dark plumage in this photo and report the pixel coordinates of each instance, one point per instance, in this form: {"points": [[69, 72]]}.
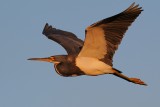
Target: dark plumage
{"points": [[93, 56], [64, 38]]}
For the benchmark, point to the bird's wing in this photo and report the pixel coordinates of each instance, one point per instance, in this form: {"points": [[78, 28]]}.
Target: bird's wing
{"points": [[103, 37], [67, 40]]}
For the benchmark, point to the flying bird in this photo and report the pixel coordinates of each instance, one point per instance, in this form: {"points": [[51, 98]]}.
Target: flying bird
{"points": [[94, 55]]}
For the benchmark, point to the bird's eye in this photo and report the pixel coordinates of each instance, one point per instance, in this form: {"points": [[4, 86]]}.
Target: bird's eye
{"points": [[52, 58]]}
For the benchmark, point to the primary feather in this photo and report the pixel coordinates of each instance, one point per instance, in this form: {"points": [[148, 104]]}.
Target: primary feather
{"points": [[103, 37]]}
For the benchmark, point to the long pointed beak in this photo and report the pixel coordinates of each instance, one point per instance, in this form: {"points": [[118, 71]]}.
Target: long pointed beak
{"points": [[48, 59]]}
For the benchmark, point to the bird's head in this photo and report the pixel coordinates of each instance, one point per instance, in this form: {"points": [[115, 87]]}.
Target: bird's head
{"points": [[52, 59]]}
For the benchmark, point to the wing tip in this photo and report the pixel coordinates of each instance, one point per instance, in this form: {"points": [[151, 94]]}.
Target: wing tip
{"points": [[48, 29], [134, 7]]}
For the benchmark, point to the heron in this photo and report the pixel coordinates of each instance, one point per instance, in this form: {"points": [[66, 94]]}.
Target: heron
{"points": [[94, 55]]}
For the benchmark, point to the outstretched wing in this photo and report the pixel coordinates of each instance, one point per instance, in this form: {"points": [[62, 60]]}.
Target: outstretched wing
{"points": [[103, 37], [67, 40]]}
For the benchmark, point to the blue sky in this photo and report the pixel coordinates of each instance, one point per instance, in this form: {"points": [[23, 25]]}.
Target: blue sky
{"points": [[25, 83]]}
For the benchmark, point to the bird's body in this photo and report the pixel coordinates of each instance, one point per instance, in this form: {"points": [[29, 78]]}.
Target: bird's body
{"points": [[92, 66], [93, 56]]}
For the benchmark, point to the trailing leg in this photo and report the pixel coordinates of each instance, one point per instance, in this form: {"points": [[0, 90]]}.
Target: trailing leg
{"points": [[133, 80]]}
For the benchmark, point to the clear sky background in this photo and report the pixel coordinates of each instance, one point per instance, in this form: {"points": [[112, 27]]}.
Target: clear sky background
{"points": [[25, 83]]}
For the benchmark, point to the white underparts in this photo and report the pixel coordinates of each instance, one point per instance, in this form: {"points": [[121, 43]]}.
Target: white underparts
{"points": [[93, 66]]}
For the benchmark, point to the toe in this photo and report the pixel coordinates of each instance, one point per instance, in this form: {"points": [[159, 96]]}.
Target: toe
{"points": [[137, 81]]}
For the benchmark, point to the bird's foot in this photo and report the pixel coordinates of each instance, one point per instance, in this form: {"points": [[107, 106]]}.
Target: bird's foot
{"points": [[137, 81]]}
